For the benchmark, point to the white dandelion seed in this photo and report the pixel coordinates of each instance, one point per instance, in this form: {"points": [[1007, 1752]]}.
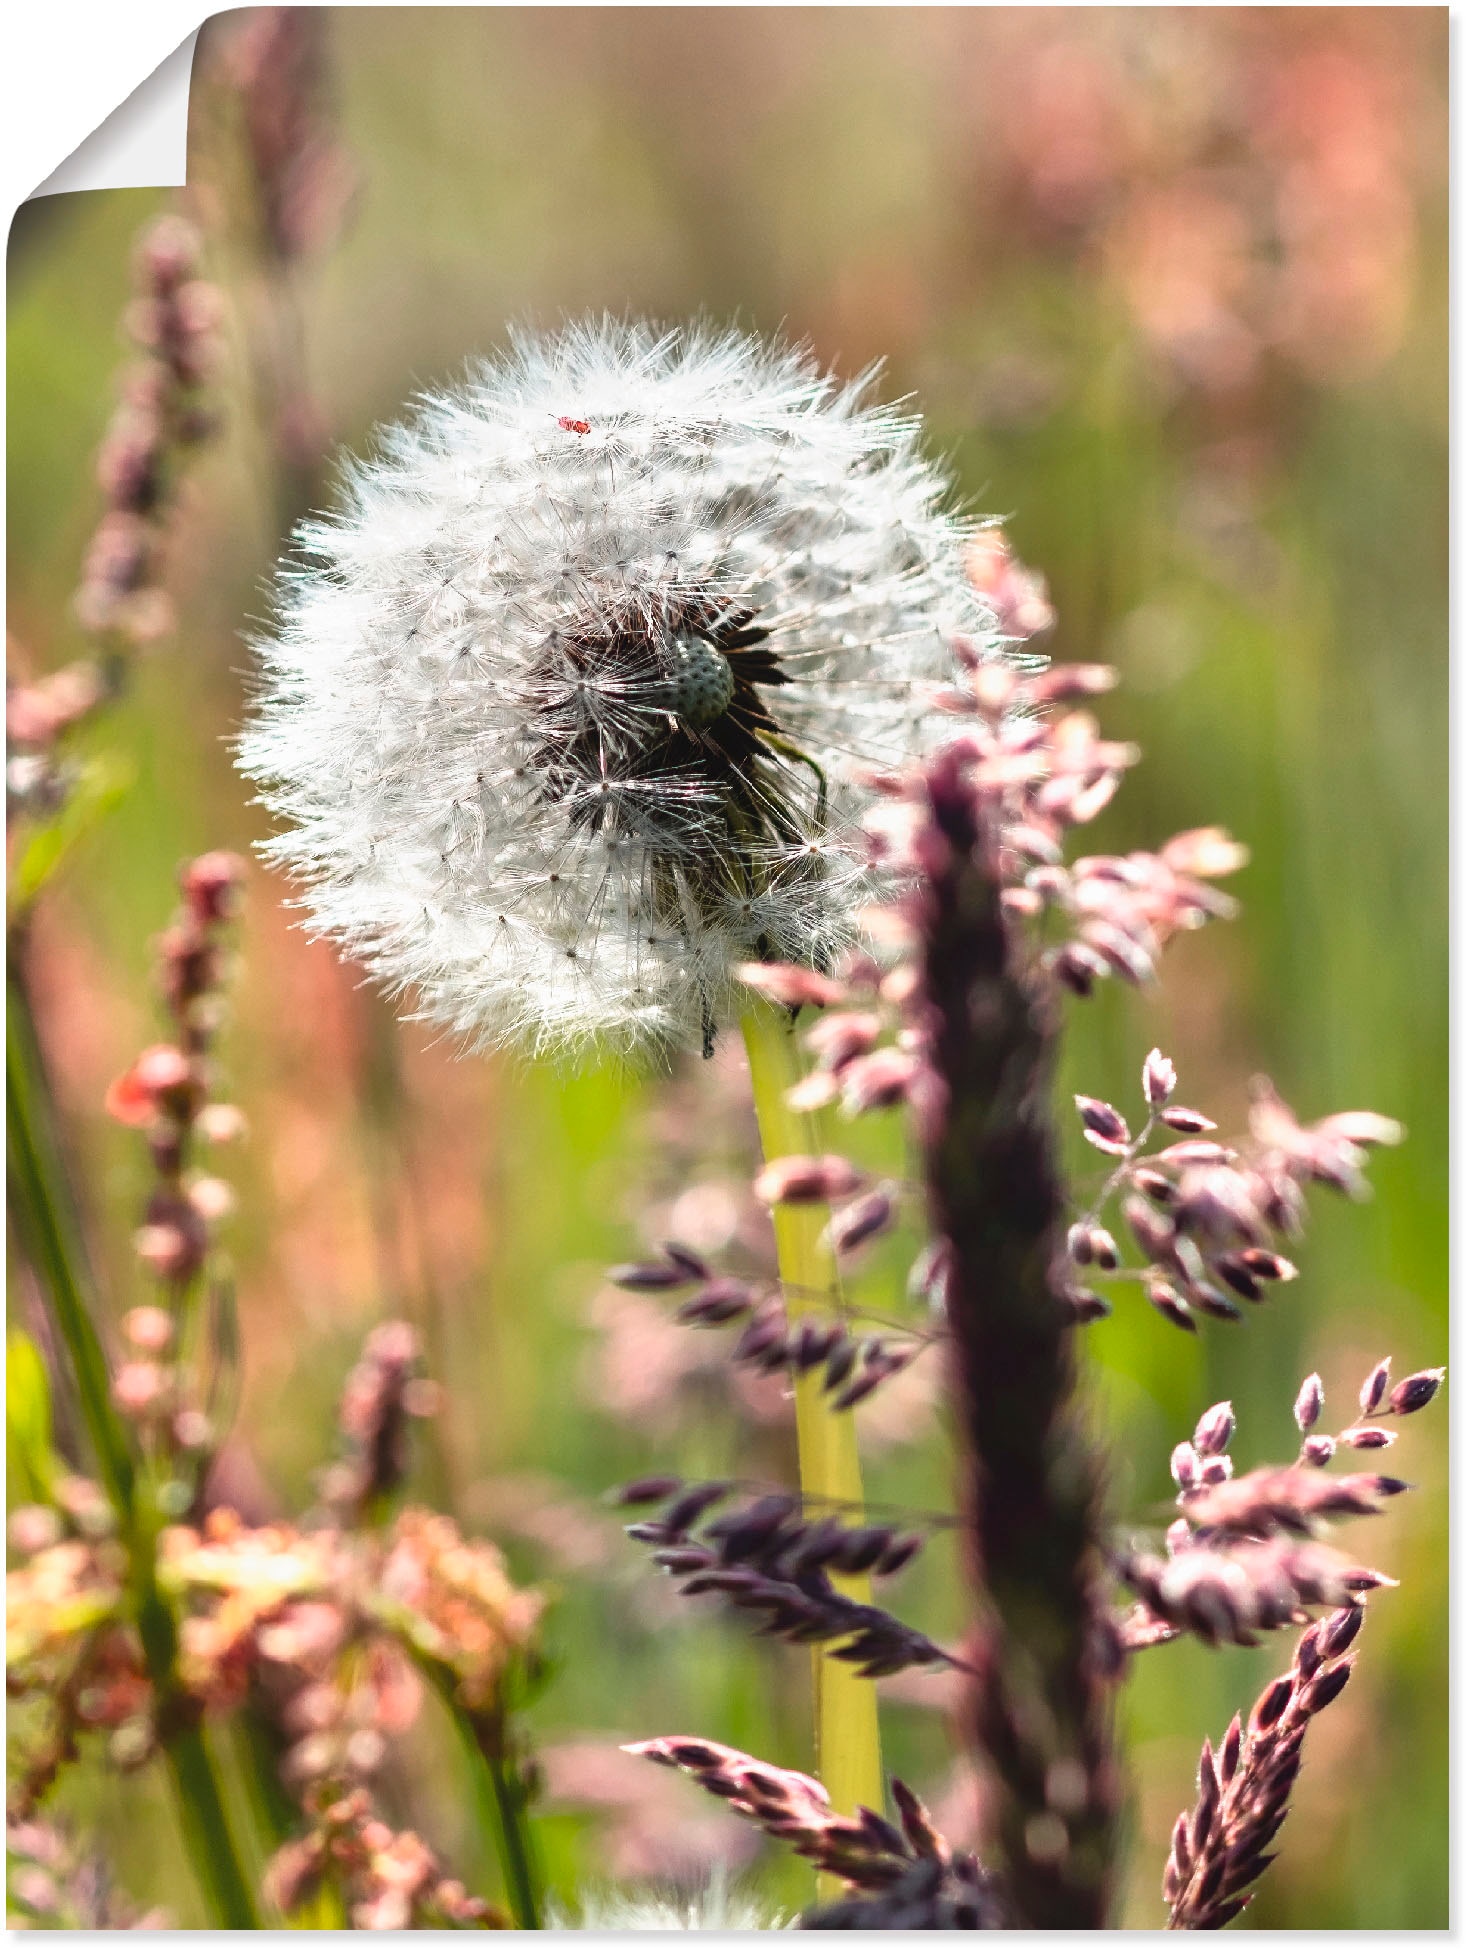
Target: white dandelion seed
{"points": [[563, 706], [719, 1907]]}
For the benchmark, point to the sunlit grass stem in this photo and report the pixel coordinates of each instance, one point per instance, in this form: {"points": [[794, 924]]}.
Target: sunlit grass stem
{"points": [[848, 1753], [50, 1230], [499, 1797]]}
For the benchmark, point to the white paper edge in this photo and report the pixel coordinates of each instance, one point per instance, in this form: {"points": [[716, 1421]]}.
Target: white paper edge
{"points": [[143, 144], [70, 66]]}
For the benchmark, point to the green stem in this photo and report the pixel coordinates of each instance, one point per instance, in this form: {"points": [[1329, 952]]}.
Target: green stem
{"points": [[51, 1235], [50, 1232], [500, 1800], [515, 1844], [848, 1751], [257, 1752], [206, 1830], [321, 1911]]}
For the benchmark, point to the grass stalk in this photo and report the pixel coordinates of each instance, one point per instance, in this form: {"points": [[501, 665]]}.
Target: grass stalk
{"points": [[50, 1231], [848, 1752], [499, 1799], [207, 1837], [46, 1220], [515, 1845], [1041, 1707]]}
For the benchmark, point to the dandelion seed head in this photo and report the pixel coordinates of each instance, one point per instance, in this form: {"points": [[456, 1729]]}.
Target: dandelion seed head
{"points": [[718, 1907], [562, 705]]}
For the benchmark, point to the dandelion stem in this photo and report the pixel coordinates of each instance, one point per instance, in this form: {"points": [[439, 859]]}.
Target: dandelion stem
{"points": [[848, 1755], [50, 1230]]}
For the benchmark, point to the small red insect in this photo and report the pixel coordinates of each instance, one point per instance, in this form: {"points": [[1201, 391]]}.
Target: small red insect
{"points": [[573, 426]]}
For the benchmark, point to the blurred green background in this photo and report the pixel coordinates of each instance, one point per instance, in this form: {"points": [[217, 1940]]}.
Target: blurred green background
{"points": [[1171, 289]]}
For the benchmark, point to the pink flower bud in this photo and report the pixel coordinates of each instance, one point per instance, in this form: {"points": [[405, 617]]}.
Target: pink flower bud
{"points": [[1214, 1430], [800, 1180], [212, 1199], [137, 1387], [790, 985], [1103, 1125], [885, 1078], [1309, 1402], [1087, 1305], [861, 1221], [149, 1329], [1204, 851], [32, 1528], [1160, 1079], [838, 1038], [1415, 1391], [210, 884], [167, 1250], [1183, 1118], [193, 1430], [1375, 1387], [159, 1079], [814, 1092], [221, 1124], [1171, 1305], [169, 252]]}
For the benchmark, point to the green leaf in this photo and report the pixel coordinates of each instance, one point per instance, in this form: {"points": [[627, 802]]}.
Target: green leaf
{"points": [[30, 1461], [100, 785]]}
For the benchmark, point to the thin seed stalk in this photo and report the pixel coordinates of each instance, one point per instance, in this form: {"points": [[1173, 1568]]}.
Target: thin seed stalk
{"points": [[848, 1751], [50, 1233]]}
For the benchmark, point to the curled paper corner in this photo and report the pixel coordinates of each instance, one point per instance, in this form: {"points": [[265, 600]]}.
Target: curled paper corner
{"points": [[143, 143]]}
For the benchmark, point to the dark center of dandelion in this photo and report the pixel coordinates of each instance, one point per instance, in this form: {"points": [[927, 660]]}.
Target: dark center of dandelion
{"points": [[702, 688], [658, 731], [648, 725]]}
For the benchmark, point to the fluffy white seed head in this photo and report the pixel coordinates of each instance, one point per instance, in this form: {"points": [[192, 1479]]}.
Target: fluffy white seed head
{"points": [[717, 1908], [563, 706]]}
